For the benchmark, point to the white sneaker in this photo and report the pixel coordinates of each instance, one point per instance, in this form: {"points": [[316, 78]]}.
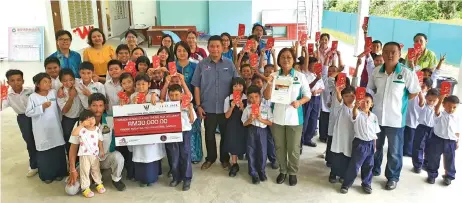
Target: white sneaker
{"points": [[32, 172]]}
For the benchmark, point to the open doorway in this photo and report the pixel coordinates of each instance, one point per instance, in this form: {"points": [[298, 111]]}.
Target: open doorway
{"points": [[107, 18]]}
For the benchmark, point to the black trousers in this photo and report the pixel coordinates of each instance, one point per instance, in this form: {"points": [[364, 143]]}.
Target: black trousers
{"points": [[210, 123], [68, 125], [25, 125]]}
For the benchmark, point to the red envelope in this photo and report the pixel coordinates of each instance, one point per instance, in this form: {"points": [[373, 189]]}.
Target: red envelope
{"points": [[236, 96], [417, 47], [368, 43], [123, 96], [269, 43], [366, 21], [172, 68], [253, 60], [341, 80], [445, 88], [303, 38], [255, 109], [130, 68], [351, 70], [420, 76], [411, 54], [360, 93], [310, 48], [141, 98], [248, 45], [318, 36], [155, 61], [185, 101], [241, 30], [318, 68], [4, 92], [334, 45]]}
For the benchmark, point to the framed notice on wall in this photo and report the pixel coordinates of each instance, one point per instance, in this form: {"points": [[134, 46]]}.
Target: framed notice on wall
{"points": [[26, 43]]}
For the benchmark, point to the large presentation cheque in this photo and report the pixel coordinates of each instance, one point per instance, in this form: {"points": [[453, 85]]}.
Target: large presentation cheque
{"points": [[138, 124]]}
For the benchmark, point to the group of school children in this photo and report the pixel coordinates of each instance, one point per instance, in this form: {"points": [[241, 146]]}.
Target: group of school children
{"points": [[56, 114]]}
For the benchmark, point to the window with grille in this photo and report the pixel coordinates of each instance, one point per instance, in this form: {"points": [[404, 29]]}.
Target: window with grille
{"points": [[80, 13], [121, 9]]}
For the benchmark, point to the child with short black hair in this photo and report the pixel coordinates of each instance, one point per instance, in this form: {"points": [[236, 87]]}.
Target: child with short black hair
{"points": [[113, 86], [246, 74], [142, 64], [52, 68], [257, 133], [366, 127], [85, 86], [445, 139], [16, 98]]}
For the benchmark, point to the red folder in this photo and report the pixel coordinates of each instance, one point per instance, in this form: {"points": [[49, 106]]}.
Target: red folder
{"points": [[172, 68], [241, 30], [155, 61], [141, 98], [420, 76], [318, 68], [334, 45], [269, 43], [445, 88], [360, 93], [185, 101], [237, 96], [255, 109], [341, 80], [318, 36], [253, 60], [310, 48], [411, 54]]}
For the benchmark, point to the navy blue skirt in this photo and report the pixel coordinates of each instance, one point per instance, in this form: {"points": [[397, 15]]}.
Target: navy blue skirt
{"points": [[52, 163], [236, 134], [147, 173]]}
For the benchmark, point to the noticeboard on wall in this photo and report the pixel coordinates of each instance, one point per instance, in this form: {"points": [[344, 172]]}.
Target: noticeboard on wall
{"points": [[26, 43]]}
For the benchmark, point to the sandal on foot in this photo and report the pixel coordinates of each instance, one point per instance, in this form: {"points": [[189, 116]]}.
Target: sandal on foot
{"points": [[88, 193], [100, 188]]}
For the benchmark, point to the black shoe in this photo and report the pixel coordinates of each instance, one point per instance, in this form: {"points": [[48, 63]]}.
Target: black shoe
{"points": [[240, 157], [375, 173], [143, 185], [262, 177], [323, 140], [174, 183], [274, 165], [391, 185], [431, 180], [332, 179], [367, 188], [417, 170], [281, 178], [186, 185], [446, 181], [59, 178], [169, 174], [292, 180], [234, 169], [344, 190], [311, 144], [255, 180], [119, 185], [48, 181]]}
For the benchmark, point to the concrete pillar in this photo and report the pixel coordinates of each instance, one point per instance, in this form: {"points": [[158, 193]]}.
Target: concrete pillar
{"points": [[458, 87], [363, 10]]}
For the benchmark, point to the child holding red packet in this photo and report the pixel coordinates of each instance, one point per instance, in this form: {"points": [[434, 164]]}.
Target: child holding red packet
{"points": [[323, 50], [257, 117], [113, 85], [252, 47]]}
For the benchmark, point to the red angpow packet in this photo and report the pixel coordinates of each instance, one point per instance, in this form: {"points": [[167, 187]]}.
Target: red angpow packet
{"points": [[411, 54], [253, 60], [341, 80], [123, 96], [237, 96], [318, 36], [241, 30], [255, 109], [269, 43], [4, 92], [334, 46], [368, 43], [317, 68], [303, 38], [445, 88], [417, 48], [130, 68], [155, 61], [310, 48], [185, 101], [172, 68], [420, 76], [366, 21], [247, 45], [360, 93], [141, 98]]}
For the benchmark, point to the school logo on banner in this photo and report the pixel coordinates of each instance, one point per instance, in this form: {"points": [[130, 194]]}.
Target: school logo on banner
{"points": [[146, 107], [163, 138]]}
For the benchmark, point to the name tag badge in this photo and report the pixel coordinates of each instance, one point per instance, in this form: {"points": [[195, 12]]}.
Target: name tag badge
{"points": [[398, 81], [53, 99]]}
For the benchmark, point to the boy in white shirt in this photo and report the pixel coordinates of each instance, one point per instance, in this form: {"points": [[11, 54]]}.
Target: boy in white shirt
{"points": [[426, 112], [445, 139], [366, 127], [17, 97], [52, 68], [257, 137], [69, 104], [85, 85], [113, 86]]}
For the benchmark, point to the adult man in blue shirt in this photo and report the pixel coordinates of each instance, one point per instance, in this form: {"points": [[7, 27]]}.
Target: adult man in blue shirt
{"points": [[67, 58]]}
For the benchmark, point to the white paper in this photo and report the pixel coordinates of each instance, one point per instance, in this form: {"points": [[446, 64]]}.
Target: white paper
{"points": [[282, 89]]}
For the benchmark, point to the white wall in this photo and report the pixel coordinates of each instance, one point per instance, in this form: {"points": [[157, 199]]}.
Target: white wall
{"points": [[259, 5], [120, 25], [144, 12]]}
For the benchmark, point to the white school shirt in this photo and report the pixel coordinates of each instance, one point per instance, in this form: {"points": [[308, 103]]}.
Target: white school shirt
{"points": [[286, 114], [310, 77], [447, 125], [326, 94], [112, 90], [56, 83], [185, 124], [412, 113], [89, 142], [94, 87], [370, 66], [265, 112], [427, 115], [76, 108], [106, 133], [227, 103], [149, 152], [434, 77], [46, 123], [17, 101], [343, 130], [366, 126], [392, 94]]}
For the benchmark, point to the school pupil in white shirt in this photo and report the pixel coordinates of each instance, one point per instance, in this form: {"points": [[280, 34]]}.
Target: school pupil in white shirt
{"points": [[90, 149], [180, 152], [85, 85], [17, 98], [366, 127], [326, 102], [423, 133], [52, 68], [445, 139], [412, 118], [69, 104], [342, 134], [113, 86], [42, 107], [146, 158], [257, 134]]}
